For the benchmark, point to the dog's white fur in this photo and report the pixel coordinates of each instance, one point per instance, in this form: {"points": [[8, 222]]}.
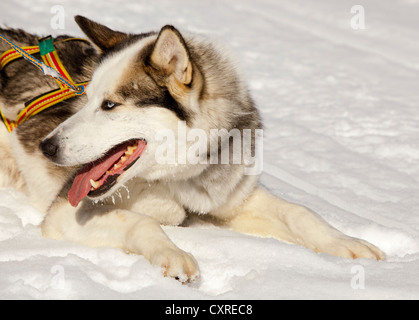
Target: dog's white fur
{"points": [[158, 194]]}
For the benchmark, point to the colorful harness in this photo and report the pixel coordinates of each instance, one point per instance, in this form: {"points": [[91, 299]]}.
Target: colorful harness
{"points": [[51, 66]]}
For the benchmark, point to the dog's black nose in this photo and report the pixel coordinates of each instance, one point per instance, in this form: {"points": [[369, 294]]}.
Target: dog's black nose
{"points": [[48, 147]]}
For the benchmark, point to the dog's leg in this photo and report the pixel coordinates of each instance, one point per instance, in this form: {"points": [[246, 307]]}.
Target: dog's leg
{"points": [[266, 215], [124, 229]]}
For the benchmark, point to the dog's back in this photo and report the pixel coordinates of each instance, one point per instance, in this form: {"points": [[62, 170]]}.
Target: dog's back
{"points": [[9, 95]]}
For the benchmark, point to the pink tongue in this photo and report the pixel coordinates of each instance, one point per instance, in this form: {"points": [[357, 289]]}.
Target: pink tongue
{"points": [[81, 184]]}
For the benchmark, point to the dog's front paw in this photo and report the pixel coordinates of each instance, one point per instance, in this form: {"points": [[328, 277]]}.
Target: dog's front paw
{"points": [[348, 247], [177, 264]]}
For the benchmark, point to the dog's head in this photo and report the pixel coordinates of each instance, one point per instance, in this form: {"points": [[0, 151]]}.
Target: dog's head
{"points": [[145, 84]]}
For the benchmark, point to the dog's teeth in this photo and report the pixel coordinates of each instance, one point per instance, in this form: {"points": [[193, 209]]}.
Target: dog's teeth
{"points": [[123, 159], [94, 183], [116, 166], [130, 150]]}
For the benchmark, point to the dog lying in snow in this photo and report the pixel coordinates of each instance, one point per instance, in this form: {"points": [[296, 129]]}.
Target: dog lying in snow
{"points": [[71, 159]]}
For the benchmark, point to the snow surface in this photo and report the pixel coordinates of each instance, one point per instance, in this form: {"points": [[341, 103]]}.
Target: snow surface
{"points": [[341, 137]]}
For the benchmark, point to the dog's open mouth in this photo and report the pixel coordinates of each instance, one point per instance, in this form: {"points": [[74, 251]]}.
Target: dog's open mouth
{"points": [[94, 179]]}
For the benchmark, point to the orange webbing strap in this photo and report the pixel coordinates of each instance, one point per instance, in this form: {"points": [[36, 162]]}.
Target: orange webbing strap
{"points": [[50, 57], [12, 54], [49, 99], [10, 125], [45, 101], [40, 103]]}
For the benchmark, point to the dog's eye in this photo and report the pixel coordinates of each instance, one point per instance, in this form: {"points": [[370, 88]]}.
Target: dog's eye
{"points": [[108, 105]]}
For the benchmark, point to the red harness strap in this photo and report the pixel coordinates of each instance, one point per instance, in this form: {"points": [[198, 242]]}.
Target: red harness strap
{"points": [[48, 99]]}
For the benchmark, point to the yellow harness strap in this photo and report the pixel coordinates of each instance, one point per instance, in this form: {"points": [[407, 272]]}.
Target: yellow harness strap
{"points": [[48, 99]]}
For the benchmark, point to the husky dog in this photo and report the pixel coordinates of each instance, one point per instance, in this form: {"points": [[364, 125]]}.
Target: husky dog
{"points": [[99, 146]]}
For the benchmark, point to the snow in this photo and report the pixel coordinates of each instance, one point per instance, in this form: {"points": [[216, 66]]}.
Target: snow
{"points": [[341, 137]]}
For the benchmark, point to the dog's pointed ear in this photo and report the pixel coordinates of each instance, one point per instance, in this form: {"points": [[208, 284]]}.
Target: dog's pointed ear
{"points": [[170, 56], [100, 35]]}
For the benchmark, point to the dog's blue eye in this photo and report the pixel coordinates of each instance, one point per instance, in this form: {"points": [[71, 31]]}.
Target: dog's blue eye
{"points": [[108, 105]]}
